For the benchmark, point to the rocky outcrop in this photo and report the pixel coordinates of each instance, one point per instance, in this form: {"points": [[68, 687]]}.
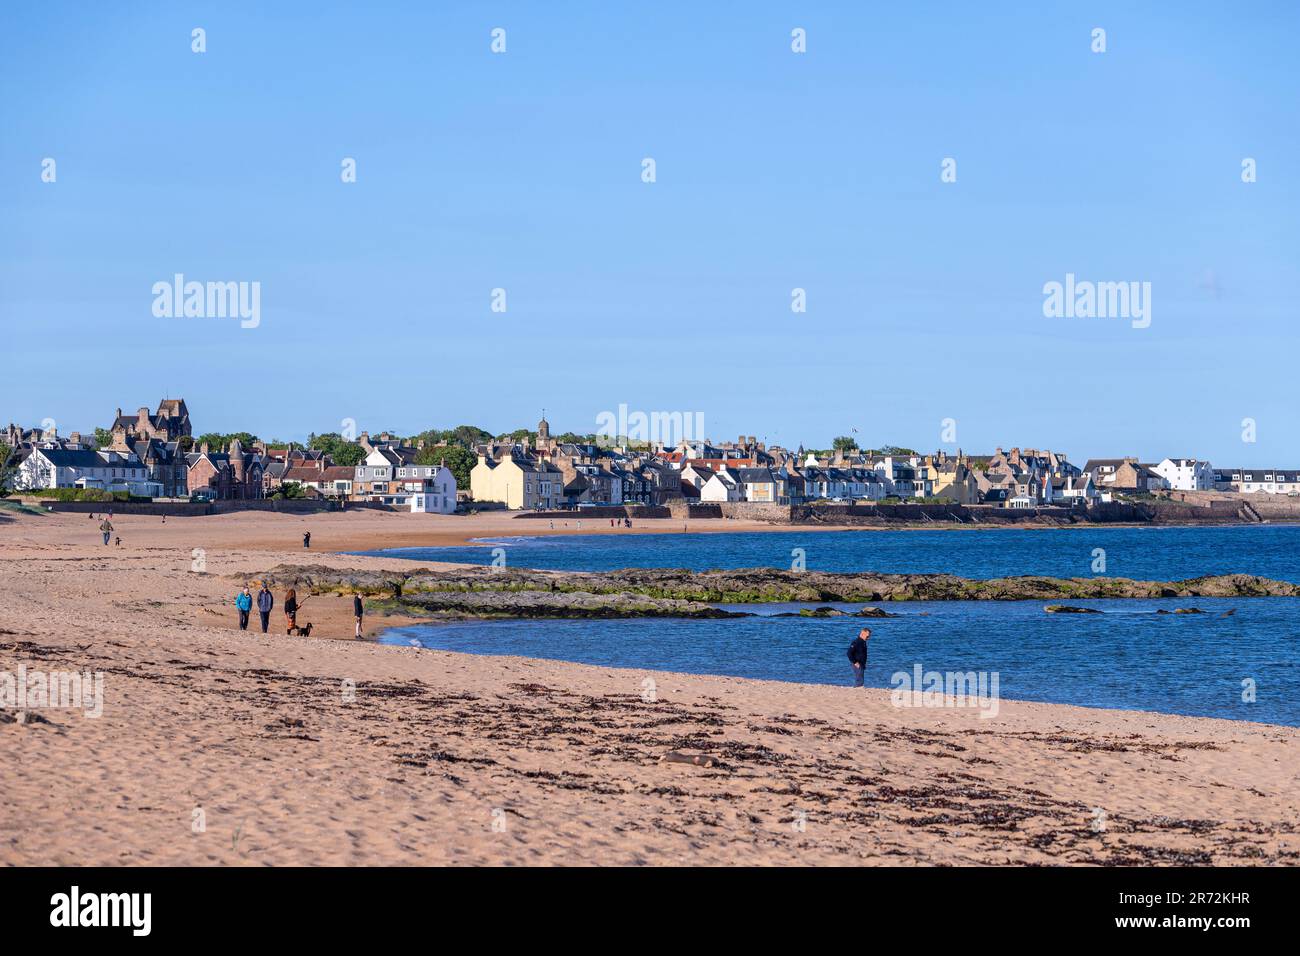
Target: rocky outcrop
{"points": [[676, 591], [455, 605], [1069, 609]]}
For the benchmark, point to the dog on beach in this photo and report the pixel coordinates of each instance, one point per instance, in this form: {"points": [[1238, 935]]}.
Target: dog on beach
{"points": [[303, 630]]}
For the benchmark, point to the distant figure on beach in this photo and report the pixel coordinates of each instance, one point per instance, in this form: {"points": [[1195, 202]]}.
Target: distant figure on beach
{"points": [[358, 609], [291, 610], [858, 656], [244, 602], [164, 521], [118, 541], [306, 539], [265, 601], [107, 530]]}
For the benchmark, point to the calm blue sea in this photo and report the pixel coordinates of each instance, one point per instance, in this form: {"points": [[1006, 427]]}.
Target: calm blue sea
{"points": [[1128, 657]]}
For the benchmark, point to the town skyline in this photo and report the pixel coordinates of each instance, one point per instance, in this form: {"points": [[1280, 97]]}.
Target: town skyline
{"points": [[405, 426]]}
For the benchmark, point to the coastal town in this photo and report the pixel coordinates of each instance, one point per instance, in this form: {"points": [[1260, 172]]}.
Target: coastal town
{"points": [[156, 456]]}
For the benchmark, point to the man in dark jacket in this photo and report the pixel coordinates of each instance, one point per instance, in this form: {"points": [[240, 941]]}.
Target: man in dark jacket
{"points": [[265, 601], [858, 656]]}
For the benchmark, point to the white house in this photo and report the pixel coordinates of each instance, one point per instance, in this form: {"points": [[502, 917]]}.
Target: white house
{"points": [[390, 474], [1272, 481], [721, 486], [54, 467], [1186, 474]]}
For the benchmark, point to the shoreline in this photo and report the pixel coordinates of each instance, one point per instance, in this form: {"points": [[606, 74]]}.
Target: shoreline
{"points": [[324, 751]]}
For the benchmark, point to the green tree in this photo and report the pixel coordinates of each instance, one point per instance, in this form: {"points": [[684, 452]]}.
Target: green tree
{"points": [[289, 489], [343, 452], [7, 468], [459, 460], [219, 441], [844, 443], [103, 438]]}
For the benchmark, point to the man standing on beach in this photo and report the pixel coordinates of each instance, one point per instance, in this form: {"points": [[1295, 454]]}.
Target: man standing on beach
{"points": [[858, 656], [107, 529], [265, 601], [357, 610]]}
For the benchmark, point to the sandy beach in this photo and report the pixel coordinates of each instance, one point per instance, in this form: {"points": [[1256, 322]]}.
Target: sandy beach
{"points": [[217, 746]]}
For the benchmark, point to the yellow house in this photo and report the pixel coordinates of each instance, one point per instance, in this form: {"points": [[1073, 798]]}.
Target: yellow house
{"points": [[952, 479], [518, 483]]}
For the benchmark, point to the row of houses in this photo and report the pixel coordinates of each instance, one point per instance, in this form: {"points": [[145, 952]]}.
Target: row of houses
{"points": [[153, 454]]}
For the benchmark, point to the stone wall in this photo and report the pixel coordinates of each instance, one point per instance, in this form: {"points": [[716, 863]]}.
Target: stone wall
{"points": [[603, 511], [187, 509]]}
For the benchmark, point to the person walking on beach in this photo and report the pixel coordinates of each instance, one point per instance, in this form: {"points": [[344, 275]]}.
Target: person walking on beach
{"points": [[244, 602], [358, 609], [265, 601], [858, 656], [291, 610], [306, 539], [107, 530]]}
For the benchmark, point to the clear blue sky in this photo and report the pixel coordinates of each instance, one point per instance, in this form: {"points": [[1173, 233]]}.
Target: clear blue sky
{"points": [[775, 171]]}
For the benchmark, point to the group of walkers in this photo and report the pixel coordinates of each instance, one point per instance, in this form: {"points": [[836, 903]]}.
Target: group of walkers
{"points": [[266, 603]]}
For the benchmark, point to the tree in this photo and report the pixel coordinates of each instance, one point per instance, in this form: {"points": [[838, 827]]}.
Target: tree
{"points": [[220, 441], [103, 438], [460, 460], [7, 468], [342, 451], [844, 443], [467, 436], [289, 489]]}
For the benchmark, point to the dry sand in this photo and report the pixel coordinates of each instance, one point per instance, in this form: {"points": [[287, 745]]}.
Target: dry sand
{"points": [[449, 758]]}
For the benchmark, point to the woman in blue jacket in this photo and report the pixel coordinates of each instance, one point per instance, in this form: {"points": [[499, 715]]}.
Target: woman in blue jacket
{"points": [[244, 601]]}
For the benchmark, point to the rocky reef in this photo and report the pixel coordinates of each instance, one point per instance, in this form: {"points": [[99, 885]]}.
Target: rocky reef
{"points": [[676, 592]]}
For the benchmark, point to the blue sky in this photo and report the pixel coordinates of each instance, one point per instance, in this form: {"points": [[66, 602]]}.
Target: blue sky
{"points": [[774, 171]]}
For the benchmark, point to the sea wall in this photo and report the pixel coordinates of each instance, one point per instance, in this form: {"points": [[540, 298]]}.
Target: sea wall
{"points": [[603, 511], [187, 509]]}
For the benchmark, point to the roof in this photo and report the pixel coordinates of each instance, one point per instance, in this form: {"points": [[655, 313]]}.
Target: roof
{"points": [[79, 458]]}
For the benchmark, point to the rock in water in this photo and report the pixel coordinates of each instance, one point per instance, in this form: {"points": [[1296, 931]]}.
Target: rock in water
{"points": [[1068, 609], [875, 612]]}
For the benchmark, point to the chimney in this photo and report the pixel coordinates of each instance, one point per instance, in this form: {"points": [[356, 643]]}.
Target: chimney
{"points": [[204, 448]]}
